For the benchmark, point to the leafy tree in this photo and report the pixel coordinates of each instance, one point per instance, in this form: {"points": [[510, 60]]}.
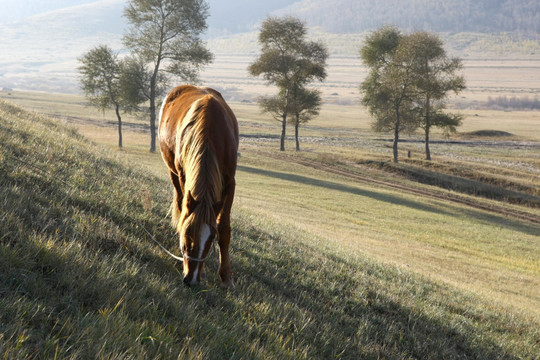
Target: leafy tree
{"points": [[165, 37], [274, 105], [410, 77], [388, 89], [135, 82], [305, 105], [435, 78], [100, 81], [287, 61]]}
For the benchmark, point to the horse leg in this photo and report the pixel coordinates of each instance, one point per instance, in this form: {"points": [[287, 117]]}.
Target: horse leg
{"points": [[224, 237]]}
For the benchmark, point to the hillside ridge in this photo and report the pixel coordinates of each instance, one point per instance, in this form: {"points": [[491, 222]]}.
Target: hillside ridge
{"points": [[336, 16], [483, 16]]}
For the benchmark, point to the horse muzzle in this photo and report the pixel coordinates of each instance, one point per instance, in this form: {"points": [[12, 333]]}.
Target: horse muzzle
{"points": [[190, 280]]}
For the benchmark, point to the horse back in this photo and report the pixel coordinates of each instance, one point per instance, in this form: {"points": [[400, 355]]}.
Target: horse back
{"points": [[221, 126]]}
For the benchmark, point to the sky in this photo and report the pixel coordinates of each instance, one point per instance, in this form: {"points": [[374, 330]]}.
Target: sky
{"points": [[222, 12], [13, 10]]}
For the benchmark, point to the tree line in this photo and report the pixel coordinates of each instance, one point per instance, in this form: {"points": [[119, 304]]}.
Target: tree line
{"points": [[514, 102], [410, 75]]}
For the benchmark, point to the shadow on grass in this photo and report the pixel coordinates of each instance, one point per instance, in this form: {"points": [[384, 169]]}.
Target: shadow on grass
{"points": [[324, 184], [94, 293], [498, 220], [78, 281], [355, 310], [292, 301]]}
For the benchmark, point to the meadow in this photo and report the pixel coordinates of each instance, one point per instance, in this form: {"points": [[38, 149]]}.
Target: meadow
{"points": [[336, 252]]}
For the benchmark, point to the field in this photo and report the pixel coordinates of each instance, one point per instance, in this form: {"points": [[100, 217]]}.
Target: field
{"points": [[337, 252], [484, 77]]}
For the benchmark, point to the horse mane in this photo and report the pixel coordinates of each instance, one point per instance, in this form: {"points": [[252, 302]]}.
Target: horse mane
{"points": [[203, 179]]}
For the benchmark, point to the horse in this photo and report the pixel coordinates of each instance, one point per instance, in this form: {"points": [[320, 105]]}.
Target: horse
{"points": [[198, 139]]}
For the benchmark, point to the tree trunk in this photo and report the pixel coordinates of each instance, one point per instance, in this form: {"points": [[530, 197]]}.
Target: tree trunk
{"points": [[152, 125], [395, 145], [153, 109], [296, 125], [428, 152], [396, 135], [284, 122], [427, 128], [283, 130], [117, 108]]}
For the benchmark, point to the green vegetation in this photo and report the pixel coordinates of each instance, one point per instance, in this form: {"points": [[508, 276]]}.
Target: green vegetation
{"points": [[79, 277], [410, 78], [100, 81], [165, 40], [290, 62]]}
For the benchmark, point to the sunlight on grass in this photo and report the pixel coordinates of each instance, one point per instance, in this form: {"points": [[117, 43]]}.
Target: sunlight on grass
{"points": [[325, 266]]}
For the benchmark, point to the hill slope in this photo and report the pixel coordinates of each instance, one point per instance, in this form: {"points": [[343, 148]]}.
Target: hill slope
{"points": [[336, 16], [486, 16], [80, 279], [43, 48]]}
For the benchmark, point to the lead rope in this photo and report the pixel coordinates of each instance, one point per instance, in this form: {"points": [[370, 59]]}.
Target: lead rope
{"points": [[178, 257], [163, 247]]}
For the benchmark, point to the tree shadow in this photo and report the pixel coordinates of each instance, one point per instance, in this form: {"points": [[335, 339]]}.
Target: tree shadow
{"points": [[352, 313], [325, 184], [481, 216], [349, 314]]}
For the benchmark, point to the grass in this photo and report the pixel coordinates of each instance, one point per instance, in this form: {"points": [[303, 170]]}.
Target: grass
{"points": [[79, 277]]}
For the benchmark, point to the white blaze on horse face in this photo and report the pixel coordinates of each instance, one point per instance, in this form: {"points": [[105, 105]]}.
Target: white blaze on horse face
{"points": [[205, 237]]}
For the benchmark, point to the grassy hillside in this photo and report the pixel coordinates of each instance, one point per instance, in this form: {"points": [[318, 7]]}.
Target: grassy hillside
{"points": [[79, 277]]}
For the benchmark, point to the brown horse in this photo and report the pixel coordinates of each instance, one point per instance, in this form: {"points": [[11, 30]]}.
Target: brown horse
{"points": [[198, 138]]}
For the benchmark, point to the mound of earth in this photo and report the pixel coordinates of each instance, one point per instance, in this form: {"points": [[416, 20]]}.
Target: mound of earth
{"points": [[490, 133]]}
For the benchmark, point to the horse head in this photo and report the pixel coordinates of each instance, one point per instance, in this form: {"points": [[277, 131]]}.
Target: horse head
{"points": [[196, 239]]}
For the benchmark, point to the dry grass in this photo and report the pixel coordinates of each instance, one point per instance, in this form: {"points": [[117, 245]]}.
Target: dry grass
{"points": [[484, 78], [325, 268]]}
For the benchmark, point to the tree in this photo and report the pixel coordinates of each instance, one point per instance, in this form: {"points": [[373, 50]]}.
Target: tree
{"points": [[305, 105], [135, 82], [436, 77], [165, 36], [388, 89], [100, 81], [287, 61], [410, 77]]}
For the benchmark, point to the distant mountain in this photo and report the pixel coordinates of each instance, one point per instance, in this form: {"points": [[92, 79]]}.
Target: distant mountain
{"points": [[40, 52], [239, 16], [484, 16], [334, 16], [40, 40]]}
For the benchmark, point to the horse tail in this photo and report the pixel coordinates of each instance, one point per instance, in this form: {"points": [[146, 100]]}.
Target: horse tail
{"points": [[203, 178]]}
